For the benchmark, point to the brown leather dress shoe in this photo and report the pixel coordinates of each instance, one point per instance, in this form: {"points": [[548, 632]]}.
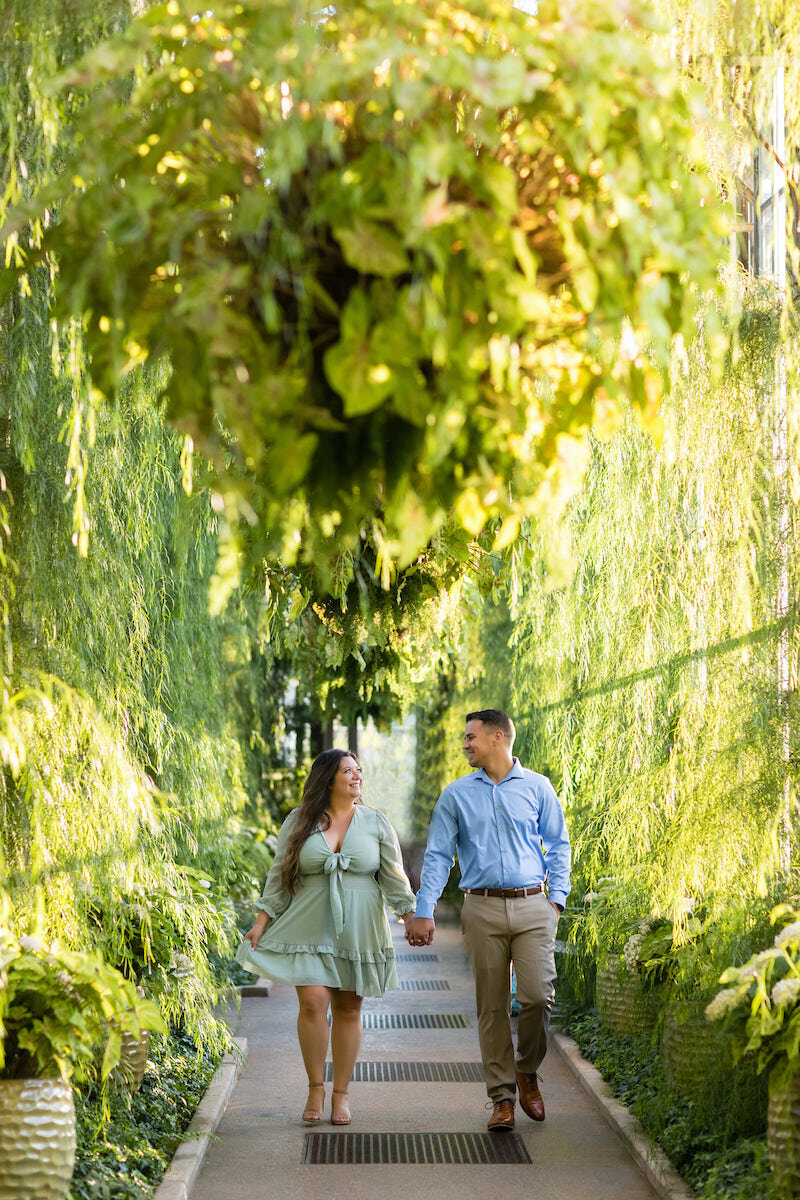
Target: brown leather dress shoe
{"points": [[530, 1097], [502, 1118]]}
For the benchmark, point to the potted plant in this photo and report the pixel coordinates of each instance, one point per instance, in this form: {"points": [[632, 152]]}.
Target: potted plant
{"points": [[56, 1007], [678, 956], [625, 997], [760, 1004]]}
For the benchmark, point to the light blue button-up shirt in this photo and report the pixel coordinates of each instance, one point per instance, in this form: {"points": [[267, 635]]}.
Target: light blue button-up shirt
{"points": [[507, 835]]}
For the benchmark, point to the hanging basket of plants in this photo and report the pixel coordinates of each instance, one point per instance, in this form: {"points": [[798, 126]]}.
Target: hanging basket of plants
{"points": [[783, 1131], [623, 1004]]}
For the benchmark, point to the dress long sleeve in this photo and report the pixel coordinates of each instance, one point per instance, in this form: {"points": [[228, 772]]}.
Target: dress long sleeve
{"points": [[392, 879], [274, 899], [333, 932]]}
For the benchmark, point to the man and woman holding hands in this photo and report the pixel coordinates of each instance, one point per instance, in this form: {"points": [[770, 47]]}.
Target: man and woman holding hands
{"points": [[321, 924]]}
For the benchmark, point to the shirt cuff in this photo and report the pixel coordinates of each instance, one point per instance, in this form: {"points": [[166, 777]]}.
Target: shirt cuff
{"points": [[425, 909], [559, 898]]}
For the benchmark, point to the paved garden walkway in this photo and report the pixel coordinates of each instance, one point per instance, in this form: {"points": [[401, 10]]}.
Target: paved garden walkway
{"points": [[423, 1099]]}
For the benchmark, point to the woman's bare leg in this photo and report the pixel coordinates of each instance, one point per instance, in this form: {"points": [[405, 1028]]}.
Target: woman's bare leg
{"points": [[345, 1045], [313, 1034]]}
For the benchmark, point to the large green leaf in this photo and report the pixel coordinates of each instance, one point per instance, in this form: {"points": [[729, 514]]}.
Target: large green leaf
{"points": [[372, 249]]}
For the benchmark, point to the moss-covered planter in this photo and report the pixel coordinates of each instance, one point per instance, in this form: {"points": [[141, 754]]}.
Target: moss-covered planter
{"points": [[783, 1131], [695, 1049], [37, 1139], [623, 1005]]}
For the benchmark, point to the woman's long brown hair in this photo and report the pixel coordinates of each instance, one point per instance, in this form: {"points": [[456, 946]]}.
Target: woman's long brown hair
{"points": [[311, 811]]}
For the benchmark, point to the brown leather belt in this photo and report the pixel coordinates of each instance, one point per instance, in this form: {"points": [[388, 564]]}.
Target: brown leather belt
{"points": [[505, 893]]}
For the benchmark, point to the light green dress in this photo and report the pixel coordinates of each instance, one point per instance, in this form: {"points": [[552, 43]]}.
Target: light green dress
{"points": [[333, 931]]}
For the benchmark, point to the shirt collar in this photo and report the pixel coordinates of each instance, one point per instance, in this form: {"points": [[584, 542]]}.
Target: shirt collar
{"points": [[514, 773]]}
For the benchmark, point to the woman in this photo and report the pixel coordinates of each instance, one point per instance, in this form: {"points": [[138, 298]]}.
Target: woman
{"points": [[322, 924]]}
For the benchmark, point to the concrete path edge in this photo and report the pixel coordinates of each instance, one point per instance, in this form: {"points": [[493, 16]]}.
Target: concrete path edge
{"points": [[652, 1161], [188, 1158]]}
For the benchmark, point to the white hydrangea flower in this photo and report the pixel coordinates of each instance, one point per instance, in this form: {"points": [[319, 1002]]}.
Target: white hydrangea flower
{"points": [[748, 973], [631, 950], [789, 934], [30, 943], [181, 966], [722, 1004], [590, 896], [786, 991]]}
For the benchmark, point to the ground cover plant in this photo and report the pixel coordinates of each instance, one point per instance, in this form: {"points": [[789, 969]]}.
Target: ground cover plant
{"points": [[125, 1143], [717, 1143]]}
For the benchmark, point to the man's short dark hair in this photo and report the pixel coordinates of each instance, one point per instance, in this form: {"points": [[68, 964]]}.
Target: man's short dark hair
{"points": [[495, 718]]}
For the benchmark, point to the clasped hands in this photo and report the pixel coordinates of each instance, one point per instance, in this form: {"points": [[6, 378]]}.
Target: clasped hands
{"points": [[419, 930]]}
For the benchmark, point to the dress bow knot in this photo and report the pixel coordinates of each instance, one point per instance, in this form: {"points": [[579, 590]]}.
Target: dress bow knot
{"points": [[335, 866]]}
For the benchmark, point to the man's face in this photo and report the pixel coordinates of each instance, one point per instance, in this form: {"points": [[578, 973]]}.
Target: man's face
{"points": [[479, 743]]}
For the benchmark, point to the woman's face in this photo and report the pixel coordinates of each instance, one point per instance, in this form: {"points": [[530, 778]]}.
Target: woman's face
{"points": [[346, 786]]}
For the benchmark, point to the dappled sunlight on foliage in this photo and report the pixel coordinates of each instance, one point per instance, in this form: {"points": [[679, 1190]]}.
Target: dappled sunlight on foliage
{"points": [[393, 255], [121, 749], [305, 321], [654, 697]]}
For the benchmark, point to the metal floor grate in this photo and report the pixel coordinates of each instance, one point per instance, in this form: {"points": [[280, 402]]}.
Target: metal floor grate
{"points": [[372, 1020], [424, 985], [416, 957], [376, 1148], [413, 1072]]}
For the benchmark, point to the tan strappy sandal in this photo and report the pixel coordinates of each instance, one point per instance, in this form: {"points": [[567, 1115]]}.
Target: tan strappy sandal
{"points": [[340, 1114], [312, 1114]]}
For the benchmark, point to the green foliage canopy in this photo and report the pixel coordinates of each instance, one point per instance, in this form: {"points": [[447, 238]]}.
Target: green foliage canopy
{"points": [[363, 644], [393, 254]]}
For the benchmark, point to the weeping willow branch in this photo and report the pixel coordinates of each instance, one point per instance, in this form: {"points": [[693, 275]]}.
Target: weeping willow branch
{"points": [[703, 654]]}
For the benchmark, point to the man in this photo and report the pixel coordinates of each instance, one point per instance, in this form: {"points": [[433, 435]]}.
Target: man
{"points": [[501, 820]]}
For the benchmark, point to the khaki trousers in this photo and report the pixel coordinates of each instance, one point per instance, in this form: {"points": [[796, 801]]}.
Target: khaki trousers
{"points": [[497, 932]]}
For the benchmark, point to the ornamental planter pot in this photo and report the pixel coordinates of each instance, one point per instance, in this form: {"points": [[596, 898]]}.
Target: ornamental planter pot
{"points": [[623, 1005], [134, 1053], [37, 1139], [695, 1049], [783, 1131]]}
